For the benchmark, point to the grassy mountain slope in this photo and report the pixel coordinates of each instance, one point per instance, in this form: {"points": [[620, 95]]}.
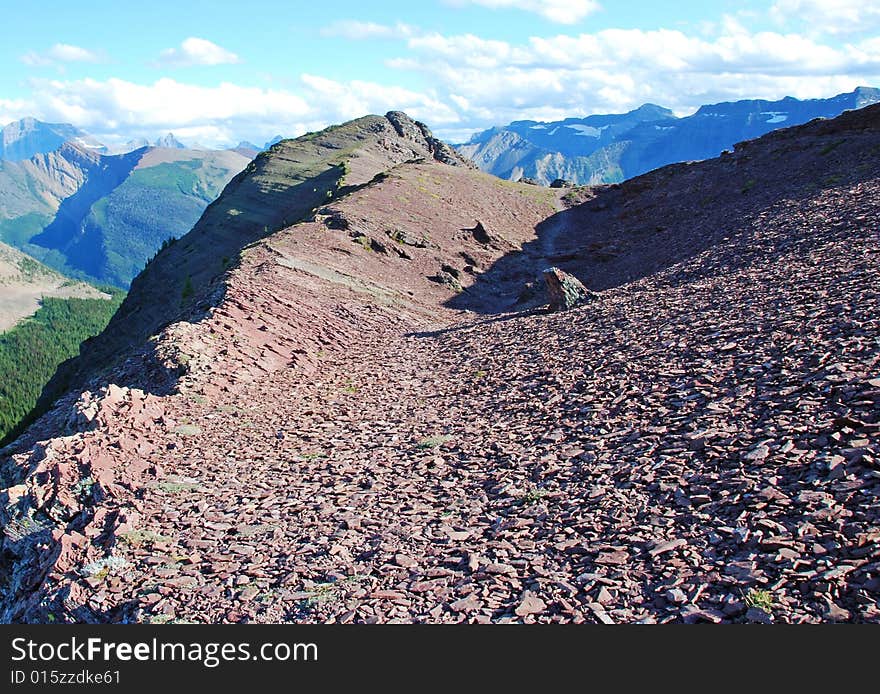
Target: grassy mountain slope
{"points": [[25, 281], [100, 218]]}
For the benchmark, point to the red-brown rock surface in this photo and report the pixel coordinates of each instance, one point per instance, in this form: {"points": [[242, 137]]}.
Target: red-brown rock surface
{"points": [[337, 438]]}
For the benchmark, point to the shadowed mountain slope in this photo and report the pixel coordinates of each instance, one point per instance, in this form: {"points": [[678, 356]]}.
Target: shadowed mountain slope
{"points": [[612, 235], [102, 217], [328, 431]]}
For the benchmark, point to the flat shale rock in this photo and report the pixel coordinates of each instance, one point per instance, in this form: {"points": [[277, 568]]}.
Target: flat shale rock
{"points": [[531, 605]]}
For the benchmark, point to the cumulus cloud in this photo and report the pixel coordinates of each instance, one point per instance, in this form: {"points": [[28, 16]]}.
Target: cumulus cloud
{"points": [[60, 53], [196, 51], [13, 109], [560, 11], [118, 110], [492, 82], [359, 31], [471, 82], [829, 16]]}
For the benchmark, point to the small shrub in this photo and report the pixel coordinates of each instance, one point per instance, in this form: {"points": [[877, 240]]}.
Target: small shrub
{"points": [[833, 180], [139, 538], [434, 441], [187, 430], [533, 496], [188, 290], [828, 149], [83, 489], [762, 599], [177, 486]]}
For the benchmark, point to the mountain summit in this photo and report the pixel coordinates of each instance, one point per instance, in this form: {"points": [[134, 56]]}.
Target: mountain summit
{"points": [[169, 142]]}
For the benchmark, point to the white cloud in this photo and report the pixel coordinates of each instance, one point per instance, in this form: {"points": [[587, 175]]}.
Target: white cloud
{"points": [[196, 51], [493, 82], [35, 59], [60, 53], [341, 101], [829, 16], [118, 110], [359, 31], [14, 109], [473, 82], [560, 11], [72, 54]]}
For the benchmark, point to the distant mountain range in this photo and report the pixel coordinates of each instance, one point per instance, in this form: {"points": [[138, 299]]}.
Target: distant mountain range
{"points": [[613, 148], [25, 138], [97, 215]]}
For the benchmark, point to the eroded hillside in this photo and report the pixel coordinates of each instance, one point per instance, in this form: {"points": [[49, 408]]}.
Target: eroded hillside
{"points": [[363, 418]]}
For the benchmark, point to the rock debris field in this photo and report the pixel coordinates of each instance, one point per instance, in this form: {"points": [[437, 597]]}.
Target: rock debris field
{"points": [[699, 444]]}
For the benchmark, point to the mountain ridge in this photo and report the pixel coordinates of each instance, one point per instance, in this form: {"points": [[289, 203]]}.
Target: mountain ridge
{"points": [[362, 439], [100, 217], [286, 184], [612, 148], [25, 138]]}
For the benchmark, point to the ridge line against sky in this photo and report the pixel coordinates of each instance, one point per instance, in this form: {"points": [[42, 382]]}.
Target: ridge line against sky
{"points": [[219, 72]]}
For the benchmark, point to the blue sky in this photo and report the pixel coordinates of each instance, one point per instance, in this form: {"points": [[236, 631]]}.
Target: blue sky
{"points": [[220, 71]]}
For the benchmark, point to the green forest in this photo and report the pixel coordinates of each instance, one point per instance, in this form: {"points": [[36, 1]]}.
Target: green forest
{"points": [[30, 352]]}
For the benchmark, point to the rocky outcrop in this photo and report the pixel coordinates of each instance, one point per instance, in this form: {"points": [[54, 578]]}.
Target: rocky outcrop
{"points": [[565, 291], [481, 234], [419, 133]]}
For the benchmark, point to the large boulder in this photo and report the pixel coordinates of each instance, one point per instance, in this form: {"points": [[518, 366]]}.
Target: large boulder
{"points": [[565, 291]]}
